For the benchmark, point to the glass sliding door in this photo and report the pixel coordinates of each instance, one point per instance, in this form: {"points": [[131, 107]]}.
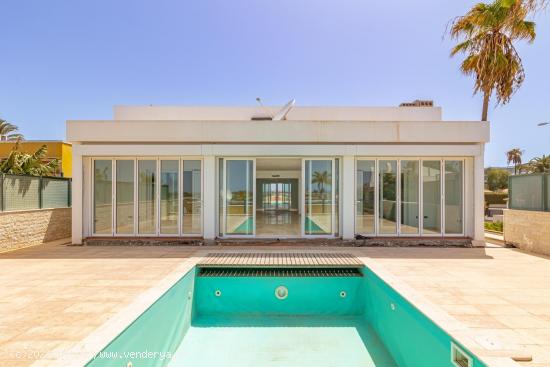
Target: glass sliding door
{"points": [[318, 197], [124, 196], [276, 196], [103, 197], [169, 196], [410, 197], [147, 198], [239, 197], [365, 197], [192, 197], [387, 195], [431, 197], [453, 197]]}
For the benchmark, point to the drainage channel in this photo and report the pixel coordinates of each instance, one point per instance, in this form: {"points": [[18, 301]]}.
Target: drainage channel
{"points": [[279, 272]]}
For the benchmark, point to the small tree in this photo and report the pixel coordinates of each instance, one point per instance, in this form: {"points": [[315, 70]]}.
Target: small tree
{"points": [[21, 163], [538, 164], [497, 179]]}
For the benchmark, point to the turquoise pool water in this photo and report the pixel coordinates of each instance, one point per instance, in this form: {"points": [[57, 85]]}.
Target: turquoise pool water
{"points": [[323, 321]]}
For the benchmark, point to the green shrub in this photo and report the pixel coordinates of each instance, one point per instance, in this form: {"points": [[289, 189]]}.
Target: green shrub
{"points": [[494, 226], [495, 198], [496, 179]]}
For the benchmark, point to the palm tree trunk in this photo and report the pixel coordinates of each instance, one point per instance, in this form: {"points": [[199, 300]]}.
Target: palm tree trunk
{"points": [[485, 106]]}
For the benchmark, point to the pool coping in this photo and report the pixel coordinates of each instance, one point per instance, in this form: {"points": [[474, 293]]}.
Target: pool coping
{"points": [[97, 340], [450, 325], [84, 351]]}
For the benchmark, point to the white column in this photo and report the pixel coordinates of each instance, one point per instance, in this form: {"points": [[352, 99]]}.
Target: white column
{"points": [[76, 195], [479, 188], [209, 198], [348, 198]]}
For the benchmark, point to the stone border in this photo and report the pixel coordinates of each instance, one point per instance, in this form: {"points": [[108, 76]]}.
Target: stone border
{"points": [[85, 350], [318, 242]]}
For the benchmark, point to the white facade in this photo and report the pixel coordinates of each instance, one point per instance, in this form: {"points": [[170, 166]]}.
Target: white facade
{"points": [[409, 192]]}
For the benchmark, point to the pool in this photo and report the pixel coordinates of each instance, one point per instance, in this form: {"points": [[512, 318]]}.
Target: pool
{"points": [[283, 317]]}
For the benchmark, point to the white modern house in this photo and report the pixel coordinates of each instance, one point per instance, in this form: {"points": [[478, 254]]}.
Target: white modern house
{"points": [[295, 172]]}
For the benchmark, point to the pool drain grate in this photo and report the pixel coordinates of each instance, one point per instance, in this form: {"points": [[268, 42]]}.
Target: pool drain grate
{"points": [[279, 272]]}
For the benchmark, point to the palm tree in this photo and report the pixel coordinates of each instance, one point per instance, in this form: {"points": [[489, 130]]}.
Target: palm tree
{"points": [[539, 164], [8, 132], [486, 35], [20, 163], [514, 156]]}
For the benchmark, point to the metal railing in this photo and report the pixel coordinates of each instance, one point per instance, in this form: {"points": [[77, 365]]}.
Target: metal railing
{"points": [[22, 192], [529, 192]]}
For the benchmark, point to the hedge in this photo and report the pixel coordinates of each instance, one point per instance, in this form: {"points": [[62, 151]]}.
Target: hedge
{"points": [[495, 198]]}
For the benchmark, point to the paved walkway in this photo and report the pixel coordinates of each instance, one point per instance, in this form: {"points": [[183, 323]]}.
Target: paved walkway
{"points": [[54, 296]]}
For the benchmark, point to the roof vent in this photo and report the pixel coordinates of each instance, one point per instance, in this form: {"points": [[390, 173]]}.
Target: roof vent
{"points": [[418, 103]]}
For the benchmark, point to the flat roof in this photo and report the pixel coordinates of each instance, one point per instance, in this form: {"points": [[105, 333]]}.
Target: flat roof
{"points": [[296, 113]]}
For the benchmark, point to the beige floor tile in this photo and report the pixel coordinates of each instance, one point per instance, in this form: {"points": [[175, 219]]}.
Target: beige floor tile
{"points": [[56, 296]]}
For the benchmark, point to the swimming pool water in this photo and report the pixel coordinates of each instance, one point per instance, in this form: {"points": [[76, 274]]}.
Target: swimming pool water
{"points": [[323, 321]]}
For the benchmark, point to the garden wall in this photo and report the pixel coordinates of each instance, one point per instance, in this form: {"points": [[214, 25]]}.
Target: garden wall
{"points": [[25, 228], [528, 230]]}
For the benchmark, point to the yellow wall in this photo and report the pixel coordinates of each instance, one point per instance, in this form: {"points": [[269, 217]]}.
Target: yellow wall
{"points": [[56, 150], [67, 160]]}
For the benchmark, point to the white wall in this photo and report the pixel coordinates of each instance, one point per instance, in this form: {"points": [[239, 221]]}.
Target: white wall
{"points": [[297, 113], [280, 132], [473, 174]]}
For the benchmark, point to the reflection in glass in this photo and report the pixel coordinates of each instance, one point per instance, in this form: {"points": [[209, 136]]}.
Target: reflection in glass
{"points": [[336, 196], [453, 197], [318, 197], [147, 203], [431, 196], [103, 196], [239, 197], [169, 199], [366, 178], [124, 197], [221, 197], [388, 197], [192, 197], [410, 197], [276, 196]]}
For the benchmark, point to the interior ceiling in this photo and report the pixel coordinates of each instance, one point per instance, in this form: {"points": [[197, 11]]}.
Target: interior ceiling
{"points": [[278, 164]]}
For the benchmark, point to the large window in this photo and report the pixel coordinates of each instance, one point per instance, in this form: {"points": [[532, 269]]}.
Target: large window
{"points": [[431, 198], [318, 197], [147, 203], [239, 197], [192, 198], [124, 196], [169, 199], [387, 197], [103, 197], [453, 197], [365, 197], [409, 197], [147, 196]]}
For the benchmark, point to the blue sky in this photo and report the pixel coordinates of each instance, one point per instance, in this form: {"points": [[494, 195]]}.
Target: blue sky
{"points": [[75, 59]]}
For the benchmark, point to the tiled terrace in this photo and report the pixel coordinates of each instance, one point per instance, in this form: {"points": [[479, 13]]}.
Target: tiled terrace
{"points": [[54, 296]]}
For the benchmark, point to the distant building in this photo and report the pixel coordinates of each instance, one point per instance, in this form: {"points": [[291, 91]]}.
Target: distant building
{"points": [[56, 150]]}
